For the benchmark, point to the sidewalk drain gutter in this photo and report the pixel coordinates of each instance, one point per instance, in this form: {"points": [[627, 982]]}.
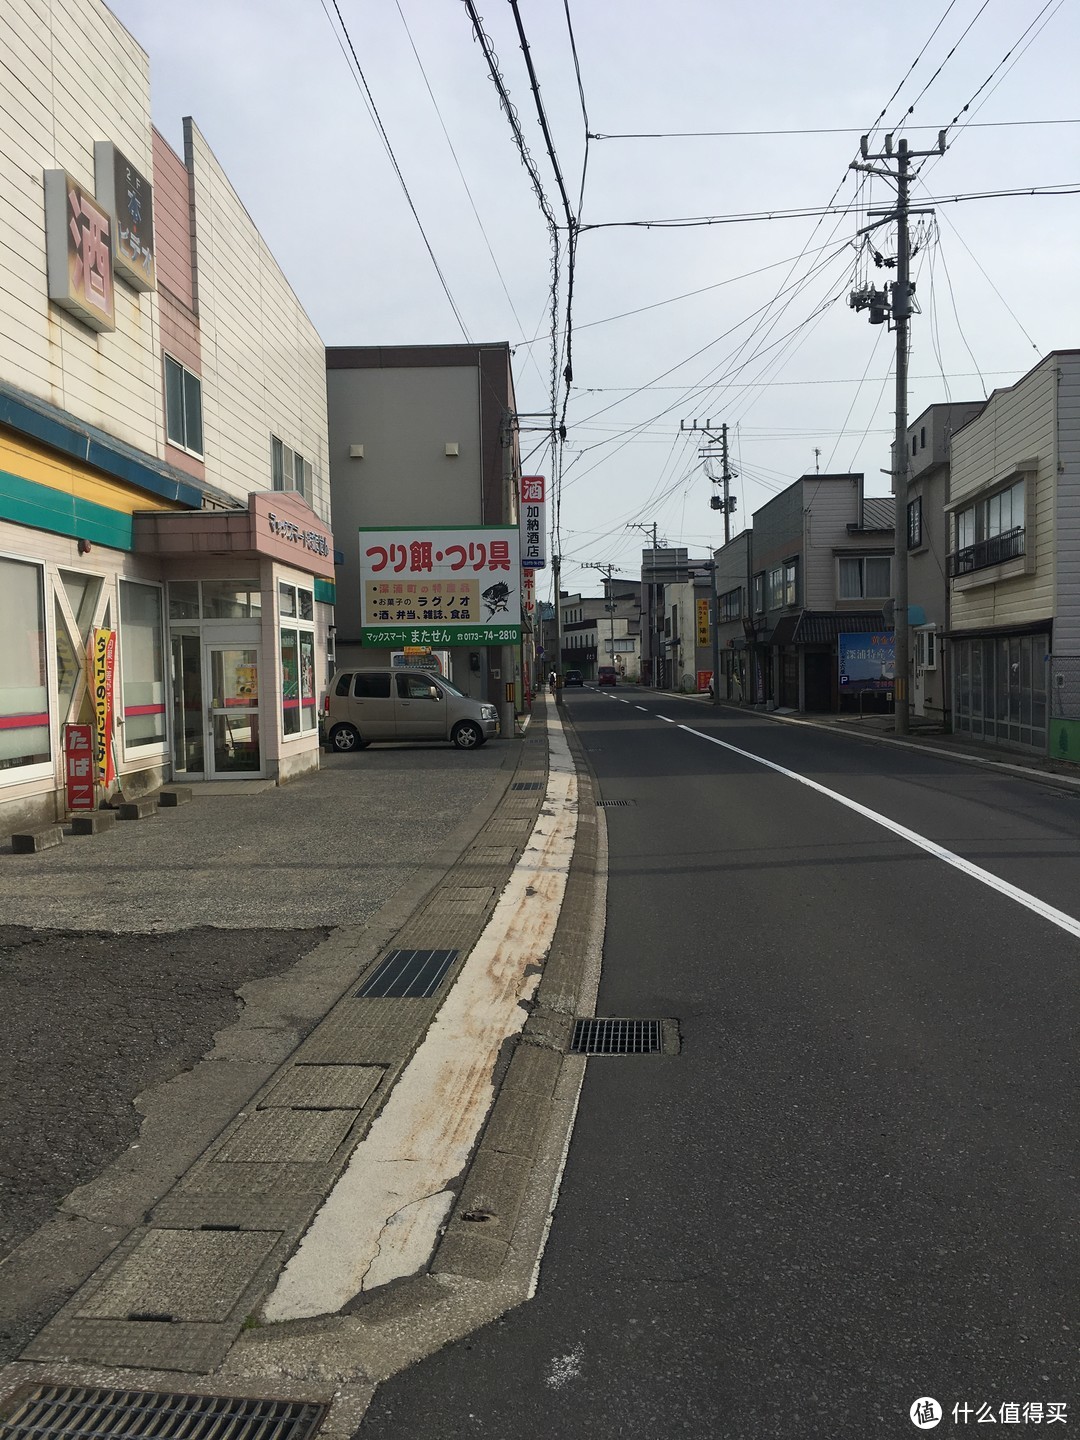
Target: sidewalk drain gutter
{"points": [[408, 975], [77, 1412], [609, 804], [528, 785], [617, 1037]]}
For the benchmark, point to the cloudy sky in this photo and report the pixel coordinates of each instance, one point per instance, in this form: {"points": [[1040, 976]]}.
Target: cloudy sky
{"points": [[739, 322]]}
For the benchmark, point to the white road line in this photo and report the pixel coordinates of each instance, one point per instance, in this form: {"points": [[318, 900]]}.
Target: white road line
{"points": [[640, 707], [669, 720], [1031, 902]]}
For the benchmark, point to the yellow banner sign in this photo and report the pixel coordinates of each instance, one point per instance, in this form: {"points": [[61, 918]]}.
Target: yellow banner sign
{"points": [[102, 671], [703, 622]]}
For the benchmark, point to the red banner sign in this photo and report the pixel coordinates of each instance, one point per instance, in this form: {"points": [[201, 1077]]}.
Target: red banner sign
{"points": [[79, 766]]}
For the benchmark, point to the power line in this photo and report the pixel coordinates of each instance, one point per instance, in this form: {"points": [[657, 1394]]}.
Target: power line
{"points": [[461, 173], [967, 31], [369, 100], [809, 130], [584, 111], [1064, 187]]}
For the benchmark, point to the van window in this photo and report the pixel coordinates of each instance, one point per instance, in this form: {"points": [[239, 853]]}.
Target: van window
{"points": [[372, 687], [342, 686], [414, 687]]}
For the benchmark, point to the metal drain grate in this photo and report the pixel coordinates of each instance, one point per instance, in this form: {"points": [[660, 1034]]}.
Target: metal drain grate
{"points": [[77, 1412], [408, 975], [617, 1037], [609, 804], [528, 785]]}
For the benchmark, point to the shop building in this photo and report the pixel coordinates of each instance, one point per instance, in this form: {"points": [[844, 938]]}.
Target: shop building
{"points": [[164, 489], [426, 482]]}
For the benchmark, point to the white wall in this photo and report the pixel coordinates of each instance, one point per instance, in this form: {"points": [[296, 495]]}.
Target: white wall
{"points": [[263, 363], [71, 74]]}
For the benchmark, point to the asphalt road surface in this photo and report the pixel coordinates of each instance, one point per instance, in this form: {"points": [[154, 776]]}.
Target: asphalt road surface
{"points": [[856, 1186]]}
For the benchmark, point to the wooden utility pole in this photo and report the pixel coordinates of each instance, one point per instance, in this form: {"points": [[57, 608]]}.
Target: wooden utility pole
{"points": [[897, 305]]}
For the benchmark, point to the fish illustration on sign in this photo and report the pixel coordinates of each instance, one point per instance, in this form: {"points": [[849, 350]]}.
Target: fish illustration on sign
{"points": [[495, 599]]}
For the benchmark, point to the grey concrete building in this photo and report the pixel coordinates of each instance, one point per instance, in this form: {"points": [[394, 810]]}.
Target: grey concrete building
{"points": [[423, 436], [734, 565], [821, 567]]}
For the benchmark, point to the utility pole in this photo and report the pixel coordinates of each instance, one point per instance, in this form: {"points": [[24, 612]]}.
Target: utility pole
{"points": [[653, 617], [901, 307], [609, 605], [728, 502]]}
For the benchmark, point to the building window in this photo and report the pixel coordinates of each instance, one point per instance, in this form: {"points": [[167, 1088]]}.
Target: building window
{"points": [[142, 664], [731, 605], [990, 531], [922, 437], [759, 593], [865, 577], [297, 633], [776, 588], [288, 469], [914, 523], [790, 582], [24, 696], [183, 408]]}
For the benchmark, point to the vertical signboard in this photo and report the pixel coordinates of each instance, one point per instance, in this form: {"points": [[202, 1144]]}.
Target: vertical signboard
{"points": [[702, 624], [533, 521], [102, 674], [79, 766], [129, 198], [78, 248]]}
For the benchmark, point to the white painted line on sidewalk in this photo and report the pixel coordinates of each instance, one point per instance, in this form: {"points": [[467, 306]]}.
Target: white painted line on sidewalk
{"points": [[1012, 892], [381, 1220]]}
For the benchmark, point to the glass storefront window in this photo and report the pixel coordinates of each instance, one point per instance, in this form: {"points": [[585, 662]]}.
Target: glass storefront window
{"points": [[286, 600], [24, 699], [307, 609], [231, 600], [183, 600], [308, 703], [142, 664], [290, 682]]}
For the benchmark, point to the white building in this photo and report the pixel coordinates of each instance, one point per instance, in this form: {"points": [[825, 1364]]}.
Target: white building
{"points": [[159, 380]]}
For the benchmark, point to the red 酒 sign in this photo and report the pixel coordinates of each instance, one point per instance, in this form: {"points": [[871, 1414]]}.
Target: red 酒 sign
{"points": [[79, 766]]}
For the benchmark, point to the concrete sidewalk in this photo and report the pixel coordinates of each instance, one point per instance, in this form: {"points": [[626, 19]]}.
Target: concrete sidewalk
{"points": [[168, 1255]]}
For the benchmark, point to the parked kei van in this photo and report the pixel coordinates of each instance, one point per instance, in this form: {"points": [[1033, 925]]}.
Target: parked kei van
{"points": [[362, 706]]}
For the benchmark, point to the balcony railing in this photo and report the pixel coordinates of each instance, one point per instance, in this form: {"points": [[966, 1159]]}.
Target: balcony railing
{"points": [[984, 553]]}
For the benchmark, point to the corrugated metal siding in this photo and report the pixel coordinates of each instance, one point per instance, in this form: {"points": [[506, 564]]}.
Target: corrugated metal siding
{"points": [[833, 505], [1067, 515], [264, 365], [1017, 425]]}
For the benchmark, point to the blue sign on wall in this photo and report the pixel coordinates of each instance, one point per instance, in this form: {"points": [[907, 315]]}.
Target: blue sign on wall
{"points": [[867, 662]]}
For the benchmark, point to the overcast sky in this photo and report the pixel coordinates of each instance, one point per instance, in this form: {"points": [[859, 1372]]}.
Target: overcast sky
{"points": [[768, 343]]}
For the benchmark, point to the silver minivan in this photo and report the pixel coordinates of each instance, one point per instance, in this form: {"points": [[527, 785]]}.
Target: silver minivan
{"points": [[387, 704]]}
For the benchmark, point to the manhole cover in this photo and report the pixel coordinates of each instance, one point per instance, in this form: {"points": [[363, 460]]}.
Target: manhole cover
{"points": [[618, 1037], [77, 1412], [408, 974]]}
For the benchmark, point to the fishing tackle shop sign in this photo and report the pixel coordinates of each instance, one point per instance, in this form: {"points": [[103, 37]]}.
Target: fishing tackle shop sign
{"points": [[440, 586]]}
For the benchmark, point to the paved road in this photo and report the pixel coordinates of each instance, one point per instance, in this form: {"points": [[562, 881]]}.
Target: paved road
{"points": [[857, 1185]]}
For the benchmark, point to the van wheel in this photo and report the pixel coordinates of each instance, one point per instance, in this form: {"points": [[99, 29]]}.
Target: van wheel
{"points": [[345, 738], [467, 735]]}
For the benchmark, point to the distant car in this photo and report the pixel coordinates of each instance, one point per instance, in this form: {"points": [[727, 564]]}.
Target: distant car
{"points": [[573, 677], [607, 675]]}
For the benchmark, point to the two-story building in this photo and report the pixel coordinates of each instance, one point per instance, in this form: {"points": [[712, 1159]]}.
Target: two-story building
{"points": [[603, 630], [166, 562], [1014, 562], [821, 567]]}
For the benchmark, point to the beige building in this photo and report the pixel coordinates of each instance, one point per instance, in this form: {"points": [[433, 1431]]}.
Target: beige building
{"points": [[159, 381], [1014, 561]]}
